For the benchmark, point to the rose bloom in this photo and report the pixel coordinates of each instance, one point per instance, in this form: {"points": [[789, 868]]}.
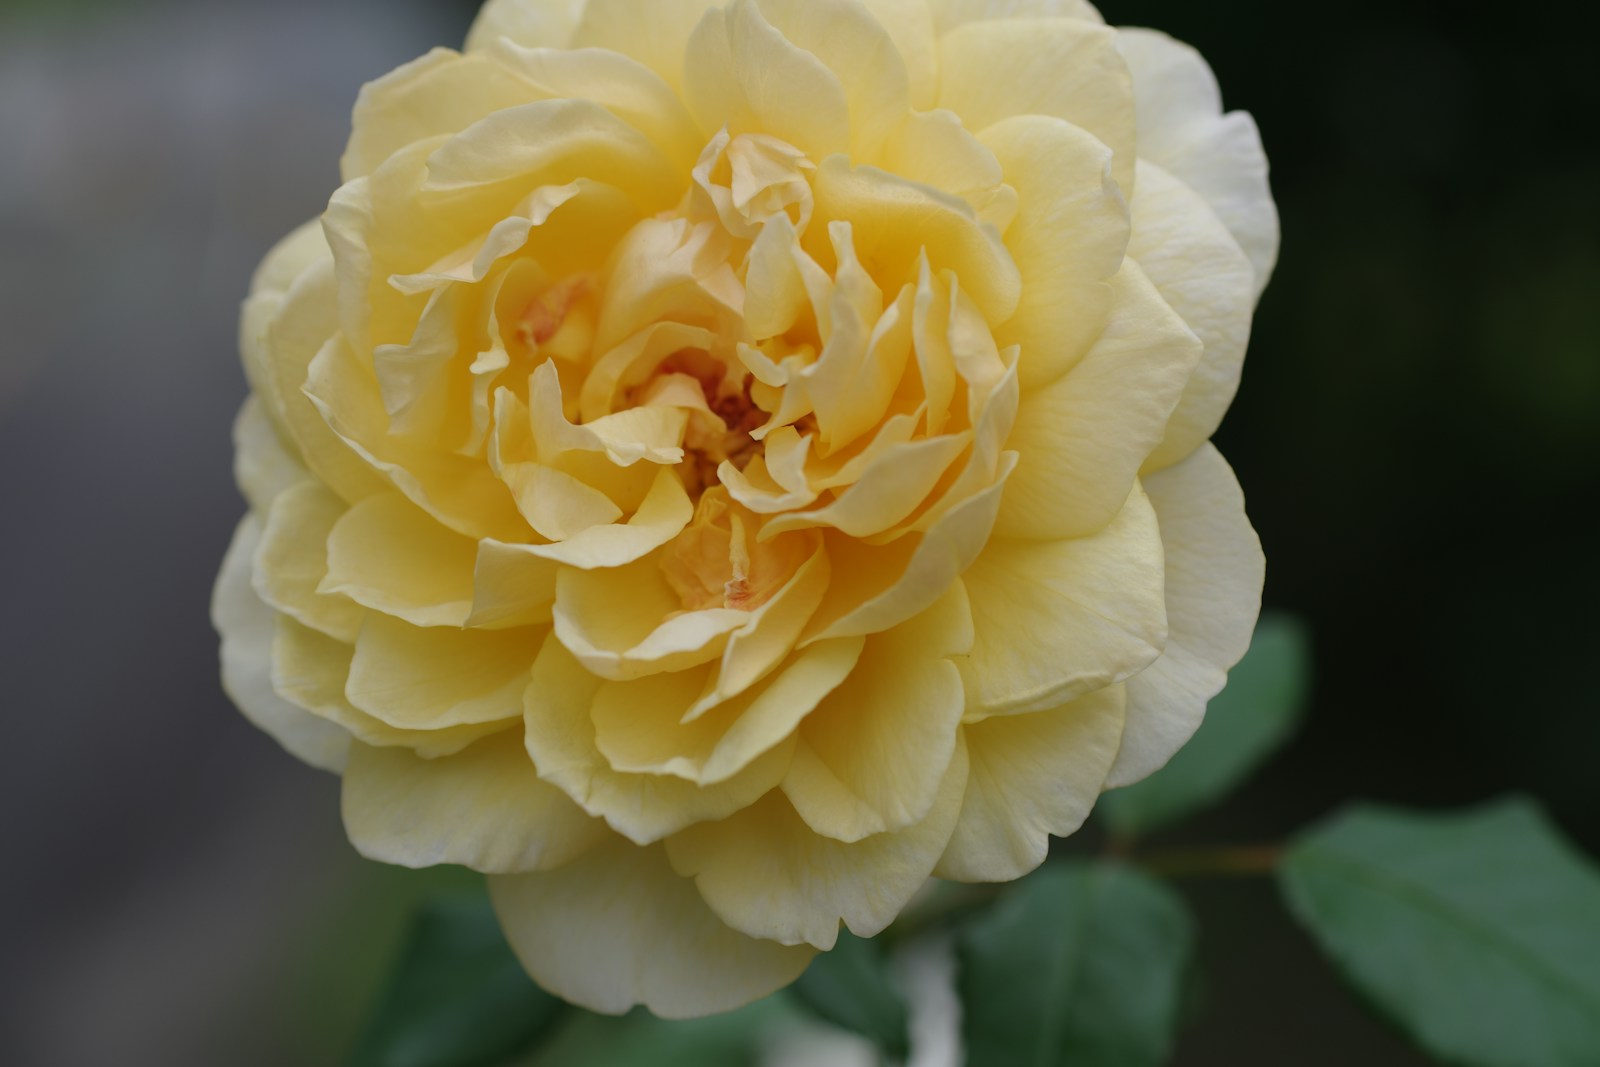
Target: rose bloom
{"points": [[714, 466]]}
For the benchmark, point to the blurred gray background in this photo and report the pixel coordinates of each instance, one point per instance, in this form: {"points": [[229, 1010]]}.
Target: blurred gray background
{"points": [[1418, 435]]}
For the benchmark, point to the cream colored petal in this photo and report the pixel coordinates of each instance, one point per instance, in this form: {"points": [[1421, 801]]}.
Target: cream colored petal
{"points": [[1214, 573], [441, 92], [556, 504], [292, 561], [511, 587], [895, 222], [289, 258], [296, 326], [879, 587], [263, 466], [1063, 68], [766, 874], [246, 626], [639, 726], [1203, 275], [740, 72], [1068, 240], [948, 14], [627, 88], [890, 488], [910, 25], [616, 928], [483, 807], [1058, 619], [310, 670], [872, 755], [852, 44], [458, 491], [1033, 776], [532, 23], [388, 555], [433, 678], [1182, 129], [934, 148], [655, 34], [1082, 438], [643, 807]]}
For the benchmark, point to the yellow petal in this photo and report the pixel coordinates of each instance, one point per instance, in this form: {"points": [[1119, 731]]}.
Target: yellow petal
{"points": [[263, 466], [643, 807], [1082, 438], [556, 504], [876, 587], [289, 258], [640, 726], [1204, 276], [1068, 240], [246, 626], [1214, 572], [1064, 68], [1183, 130], [872, 755], [1058, 619], [534, 23], [909, 24], [431, 679], [896, 222], [310, 670], [766, 874], [616, 927], [740, 72], [441, 92], [1032, 776], [387, 555], [655, 34], [483, 807], [292, 561], [852, 44], [949, 14]]}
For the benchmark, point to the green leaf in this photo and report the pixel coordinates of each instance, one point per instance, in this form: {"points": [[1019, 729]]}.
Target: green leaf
{"points": [[850, 988], [1077, 964], [1478, 932], [1245, 723], [459, 997]]}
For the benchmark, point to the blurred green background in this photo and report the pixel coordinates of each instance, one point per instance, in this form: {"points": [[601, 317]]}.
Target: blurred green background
{"points": [[1418, 436]]}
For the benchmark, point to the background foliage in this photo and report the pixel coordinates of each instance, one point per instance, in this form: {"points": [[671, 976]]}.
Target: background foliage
{"points": [[1417, 435]]}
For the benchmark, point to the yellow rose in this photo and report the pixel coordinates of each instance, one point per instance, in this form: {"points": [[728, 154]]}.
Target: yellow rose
{"points": [[715, 466]]}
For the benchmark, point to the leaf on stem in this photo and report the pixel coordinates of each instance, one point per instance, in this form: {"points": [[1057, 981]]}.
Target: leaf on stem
{"points": [[1477, 931], [850, 988], [1078, 964]]}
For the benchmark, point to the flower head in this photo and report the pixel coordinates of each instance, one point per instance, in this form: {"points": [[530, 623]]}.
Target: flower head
{"points": [[715, 465]]}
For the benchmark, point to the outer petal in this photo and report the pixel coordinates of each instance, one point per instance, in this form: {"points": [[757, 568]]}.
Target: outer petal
{"points": [[1203, 275], [1032, 776], [292, 560], [531, 23], [263, 466], [617, 927], [1214, 575], [483, 808], [246, 626], [1058, 619], [872, 755], [1182, 128], [1065, 68], [948, 14], [387, 554], [656, 34], [431, 679], [764, 872], [1081, 439]]}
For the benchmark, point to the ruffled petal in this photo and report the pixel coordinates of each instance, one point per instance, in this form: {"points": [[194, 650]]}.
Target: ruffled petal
{"points": [[765, 873], [532, 23], [1058, 619], [292, 561], [246, 626], [616, 927], [386, 554], [483, 807], [1214, 573], [1032, 776]]}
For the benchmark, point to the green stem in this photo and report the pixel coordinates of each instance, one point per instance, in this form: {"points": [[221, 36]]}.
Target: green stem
{"points": [[1233, 861]]}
